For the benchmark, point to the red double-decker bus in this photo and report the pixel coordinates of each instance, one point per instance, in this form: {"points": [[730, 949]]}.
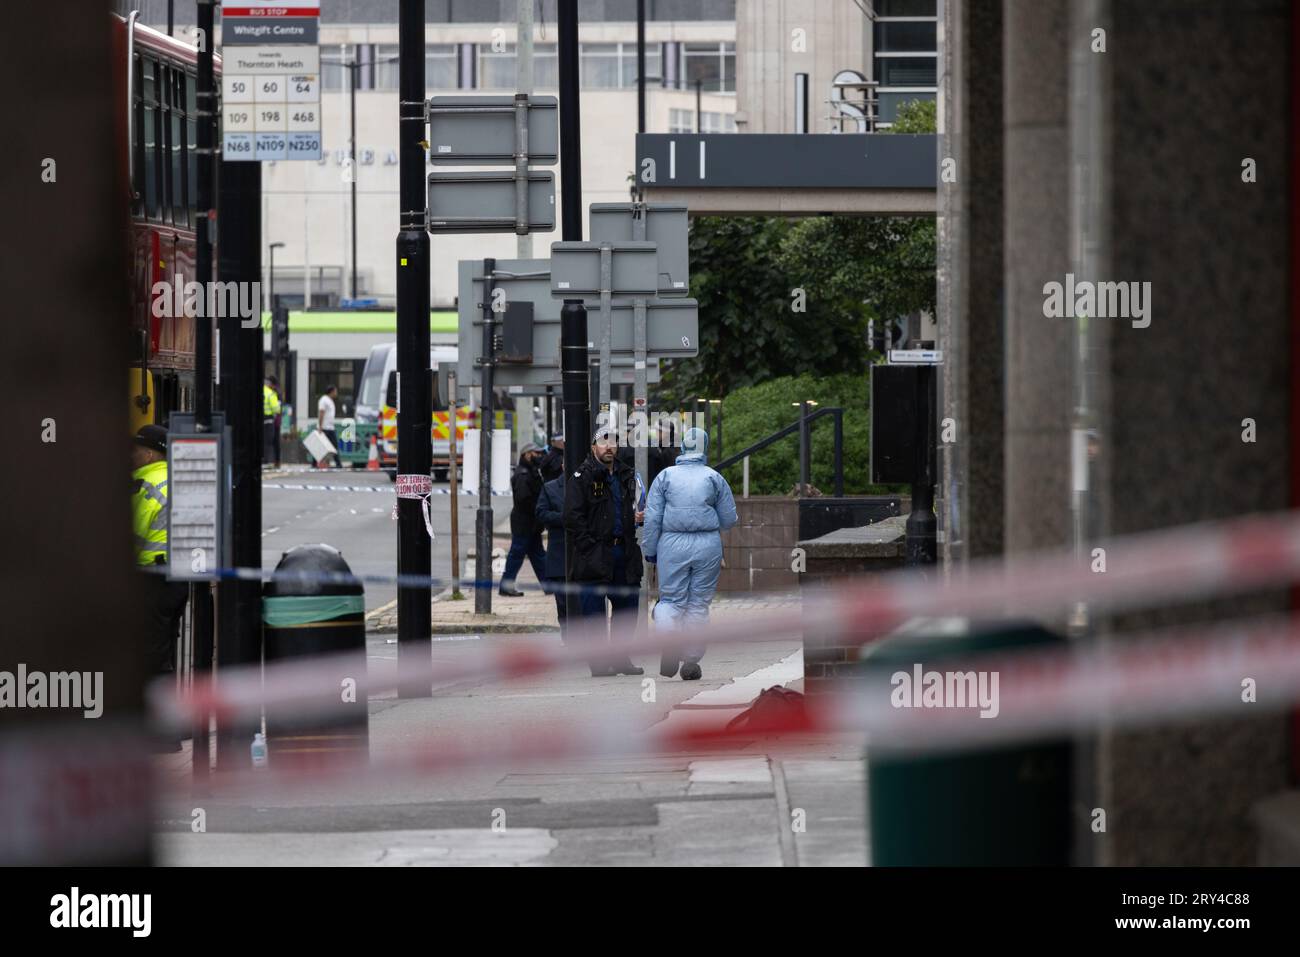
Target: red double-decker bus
{"points": [[156, 76]]}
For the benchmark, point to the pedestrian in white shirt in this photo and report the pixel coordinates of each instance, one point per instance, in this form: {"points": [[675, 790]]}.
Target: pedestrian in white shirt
{"points": [[325, 420]]}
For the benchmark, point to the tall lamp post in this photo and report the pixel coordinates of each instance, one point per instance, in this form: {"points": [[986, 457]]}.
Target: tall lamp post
{"points": [[270, 275], [353, 66], [277, 358]]}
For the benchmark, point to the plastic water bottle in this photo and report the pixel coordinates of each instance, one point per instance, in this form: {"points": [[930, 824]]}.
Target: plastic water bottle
{"points": [[259, 750]]}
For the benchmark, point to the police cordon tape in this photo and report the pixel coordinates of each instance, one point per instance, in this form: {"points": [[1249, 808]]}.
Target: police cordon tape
{"points": [[1043, 694], [1198, 562], [1138, 570], [385, 489], [353, 578]]}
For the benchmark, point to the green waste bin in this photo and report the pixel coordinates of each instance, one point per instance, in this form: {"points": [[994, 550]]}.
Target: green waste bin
{"points": [[309, 617], [1004, 806]]}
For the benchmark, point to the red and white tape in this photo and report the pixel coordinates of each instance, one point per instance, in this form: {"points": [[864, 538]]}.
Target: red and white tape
{"points": [[1042, 694], [1193, 562]]}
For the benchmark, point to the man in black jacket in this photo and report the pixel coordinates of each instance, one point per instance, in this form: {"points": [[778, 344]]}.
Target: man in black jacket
{"points": [[600, 529], [550, 512], [525, 530]]}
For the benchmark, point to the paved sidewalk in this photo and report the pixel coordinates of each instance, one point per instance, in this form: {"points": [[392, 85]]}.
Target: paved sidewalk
{"points": [[535, 611]]}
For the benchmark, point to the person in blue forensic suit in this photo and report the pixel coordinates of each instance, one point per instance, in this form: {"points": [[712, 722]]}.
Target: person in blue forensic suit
{"points": [[688, 508]]}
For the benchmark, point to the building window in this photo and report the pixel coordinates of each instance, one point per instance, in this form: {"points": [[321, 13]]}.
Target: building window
{"points": [[440, 72], [546, 67], [906, 71], [713, 65], [599, 69], [905, 36], [321, 373], [681, 121], [333, 75], [496, 70], [905, 8], [717, 122], [653, 64], [387, 69]]}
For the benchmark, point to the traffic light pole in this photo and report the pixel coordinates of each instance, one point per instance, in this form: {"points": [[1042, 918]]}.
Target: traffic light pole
{"points": [[573, 315], [483, 517], [414, 437]]}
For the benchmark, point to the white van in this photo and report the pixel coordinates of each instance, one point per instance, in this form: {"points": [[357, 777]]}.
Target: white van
{"points": [[377, 407]]}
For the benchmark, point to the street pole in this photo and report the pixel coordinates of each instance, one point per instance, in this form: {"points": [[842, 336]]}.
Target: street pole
{"points": [[573, 316], [699, 108], [205, 142], [523, 241], [239, 602], [640, 66], [453, 451], [804, 450], [920, 547], [524, 85], [414, 438], [483, 517], [353, 69]]}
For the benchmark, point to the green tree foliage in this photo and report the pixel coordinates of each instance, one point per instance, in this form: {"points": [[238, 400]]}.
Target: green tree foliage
{"points": [[751, 329], [886, 263], [915, 116], [753, 413], [753, 275]]}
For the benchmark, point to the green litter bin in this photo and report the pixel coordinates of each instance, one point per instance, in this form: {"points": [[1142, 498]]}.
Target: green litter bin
{"points": [[1005, 806], [306, 618]]}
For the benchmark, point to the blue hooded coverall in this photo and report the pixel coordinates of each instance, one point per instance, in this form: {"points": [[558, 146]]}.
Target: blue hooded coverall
{"points": [[688, 508]]}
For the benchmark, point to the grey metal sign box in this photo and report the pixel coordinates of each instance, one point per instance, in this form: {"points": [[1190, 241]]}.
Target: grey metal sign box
{"points": [[668, 321], [480, 130], [575, 269], [484, 201], [621, 374], [666, 225]]}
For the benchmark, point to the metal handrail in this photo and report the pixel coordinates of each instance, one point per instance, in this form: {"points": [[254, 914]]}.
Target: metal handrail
{"points": [[796, 427]]}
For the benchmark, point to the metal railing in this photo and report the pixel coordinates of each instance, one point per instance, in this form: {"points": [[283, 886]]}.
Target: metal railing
{"points": [[803, 426]]}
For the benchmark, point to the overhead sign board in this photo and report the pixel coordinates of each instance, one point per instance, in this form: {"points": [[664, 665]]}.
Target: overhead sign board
{"points": [[786, 160], [480, 130], [270, 81], [663, 224], [576, 269], [484, 202]]}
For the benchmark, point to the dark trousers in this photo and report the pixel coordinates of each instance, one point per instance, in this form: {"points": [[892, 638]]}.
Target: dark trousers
{"points": [[555, 586], [334, 441], [269, 452], [164, 608], [521, 546], [620, 594]]}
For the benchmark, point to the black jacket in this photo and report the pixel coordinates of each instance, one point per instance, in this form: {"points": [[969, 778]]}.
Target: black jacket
{"points": [[589, 522], [550, 513], [658, 458], [526, 484]]}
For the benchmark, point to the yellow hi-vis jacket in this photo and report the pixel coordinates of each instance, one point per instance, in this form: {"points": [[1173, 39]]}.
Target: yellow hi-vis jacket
{"points": [[149, 513], [270, 402]]}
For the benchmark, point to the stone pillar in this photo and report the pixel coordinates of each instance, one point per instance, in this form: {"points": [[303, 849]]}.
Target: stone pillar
{"points": [[1186, 111], [1038, 352], [1182, 110], [970, 279]]}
